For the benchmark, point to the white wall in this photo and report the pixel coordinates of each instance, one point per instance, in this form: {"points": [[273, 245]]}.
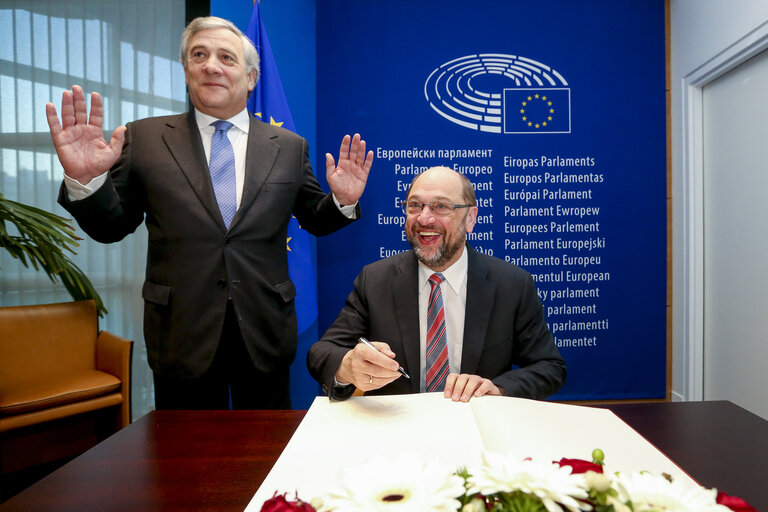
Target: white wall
{"points": [[736, 236], [702, 31]]}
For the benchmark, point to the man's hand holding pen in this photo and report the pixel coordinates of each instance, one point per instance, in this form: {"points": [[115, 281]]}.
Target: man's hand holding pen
{"points": [[372, 366], [369, 366]]}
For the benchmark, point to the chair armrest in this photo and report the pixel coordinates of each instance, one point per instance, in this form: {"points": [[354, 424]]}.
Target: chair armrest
{"points": [[113, 356]]}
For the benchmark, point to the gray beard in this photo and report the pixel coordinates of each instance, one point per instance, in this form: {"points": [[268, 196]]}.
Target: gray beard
{"points": [[443, 254]]}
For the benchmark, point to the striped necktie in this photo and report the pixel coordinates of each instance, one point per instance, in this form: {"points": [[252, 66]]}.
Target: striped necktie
{"points": [[437, 349], [222, 167]]}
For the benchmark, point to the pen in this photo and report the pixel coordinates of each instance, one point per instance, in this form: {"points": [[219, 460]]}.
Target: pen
{"points": [[369, 344]]}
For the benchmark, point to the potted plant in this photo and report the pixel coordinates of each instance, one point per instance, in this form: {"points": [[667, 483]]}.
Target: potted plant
{"points": [[43, 240]]}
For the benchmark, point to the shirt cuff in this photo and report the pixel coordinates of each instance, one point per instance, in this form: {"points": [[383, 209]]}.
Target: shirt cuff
{"points": [[348, 210], [77, 191], [337, 384]]}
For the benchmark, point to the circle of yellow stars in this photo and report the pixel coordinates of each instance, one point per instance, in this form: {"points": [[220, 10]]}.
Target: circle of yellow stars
{"points": [[531, 100]]}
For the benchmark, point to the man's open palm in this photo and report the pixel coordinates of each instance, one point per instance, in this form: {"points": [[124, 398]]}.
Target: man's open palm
{"points": [[79, 140]]}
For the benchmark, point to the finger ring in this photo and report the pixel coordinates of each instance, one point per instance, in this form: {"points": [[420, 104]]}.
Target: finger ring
{"points": [[370, 379]]}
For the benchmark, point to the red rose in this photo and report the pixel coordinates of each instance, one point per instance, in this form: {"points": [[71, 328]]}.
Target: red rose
{"points": [[734, 503], [580, 465], [279, 503]]}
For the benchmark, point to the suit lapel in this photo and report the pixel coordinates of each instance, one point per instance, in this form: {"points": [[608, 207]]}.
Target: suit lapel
{"points": [[179, 135], [480, 291], [260, 156], [406, 302]]}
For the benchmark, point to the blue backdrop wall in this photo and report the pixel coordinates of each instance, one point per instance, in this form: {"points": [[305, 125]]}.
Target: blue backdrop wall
{"points": [[555, 109]]}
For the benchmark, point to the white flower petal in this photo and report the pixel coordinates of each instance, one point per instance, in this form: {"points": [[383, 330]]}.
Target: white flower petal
{"points": [[404, 484], [551, 483], [649, 492]]}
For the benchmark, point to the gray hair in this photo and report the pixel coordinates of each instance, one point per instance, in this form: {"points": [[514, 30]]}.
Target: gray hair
{"points": [[211, 22]]}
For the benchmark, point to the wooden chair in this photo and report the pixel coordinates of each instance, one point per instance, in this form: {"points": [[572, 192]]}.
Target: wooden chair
{"points": [[64, 386]]}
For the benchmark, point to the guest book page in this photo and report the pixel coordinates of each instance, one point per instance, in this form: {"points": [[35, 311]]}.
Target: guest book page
{"points": [[335, 435]]}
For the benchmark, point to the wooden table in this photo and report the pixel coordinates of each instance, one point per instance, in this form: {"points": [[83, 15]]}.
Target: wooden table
{"points": [[216, 460], [718, 443]]}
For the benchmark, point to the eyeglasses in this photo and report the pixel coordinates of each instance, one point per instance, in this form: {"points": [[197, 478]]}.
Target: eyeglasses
{"points": [[438, 209]]}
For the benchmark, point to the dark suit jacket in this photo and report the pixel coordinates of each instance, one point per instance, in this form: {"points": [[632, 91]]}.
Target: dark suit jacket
{"points": [[193, 261], [504, 327]]}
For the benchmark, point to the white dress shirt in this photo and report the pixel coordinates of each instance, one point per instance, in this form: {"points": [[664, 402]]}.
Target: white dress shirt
{"points": [[454, 292]]}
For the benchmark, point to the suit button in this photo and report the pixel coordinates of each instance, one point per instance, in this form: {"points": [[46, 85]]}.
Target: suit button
{"points": [[226, 242], [221, 283]]}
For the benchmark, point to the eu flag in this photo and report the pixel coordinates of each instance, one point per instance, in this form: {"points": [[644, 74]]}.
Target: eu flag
{"points": [[269, 103], [542, 110]]}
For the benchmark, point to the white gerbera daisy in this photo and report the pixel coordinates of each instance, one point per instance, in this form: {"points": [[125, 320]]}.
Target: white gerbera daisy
{"points": [[653, 493], [404, 484], [552, 484]]}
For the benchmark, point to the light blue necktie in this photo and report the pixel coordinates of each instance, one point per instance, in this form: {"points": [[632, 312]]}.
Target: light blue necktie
{"points": [[222, 167]]}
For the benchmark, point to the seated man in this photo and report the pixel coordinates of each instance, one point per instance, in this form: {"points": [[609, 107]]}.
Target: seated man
{"points": [[456, 320]]}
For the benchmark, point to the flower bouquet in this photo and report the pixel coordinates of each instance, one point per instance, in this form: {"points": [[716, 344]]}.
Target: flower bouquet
{"points": [[503, 484]]}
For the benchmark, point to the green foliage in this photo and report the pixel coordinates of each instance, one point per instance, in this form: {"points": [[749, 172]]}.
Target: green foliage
{"points": [[516, 501], [42, 241]]}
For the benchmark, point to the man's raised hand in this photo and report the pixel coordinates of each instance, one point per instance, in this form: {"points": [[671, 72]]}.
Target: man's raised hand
{"points": [[347, 180], [79, 140]]}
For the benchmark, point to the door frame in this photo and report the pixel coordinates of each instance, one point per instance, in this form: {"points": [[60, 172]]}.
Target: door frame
{"points": [[691, 194]]}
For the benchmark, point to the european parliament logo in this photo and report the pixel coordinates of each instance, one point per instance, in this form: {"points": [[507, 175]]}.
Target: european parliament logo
{"points": [[499, 93]]}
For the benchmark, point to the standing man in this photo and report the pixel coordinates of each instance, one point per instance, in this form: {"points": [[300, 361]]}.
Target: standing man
{"points": [[216, 188], [456, 320]]}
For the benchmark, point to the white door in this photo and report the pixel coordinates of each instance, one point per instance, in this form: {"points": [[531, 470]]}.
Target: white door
{"points": [[735, 127]]}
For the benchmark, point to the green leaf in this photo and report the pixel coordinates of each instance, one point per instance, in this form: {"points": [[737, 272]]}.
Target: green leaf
{"points": [[43, 238]]}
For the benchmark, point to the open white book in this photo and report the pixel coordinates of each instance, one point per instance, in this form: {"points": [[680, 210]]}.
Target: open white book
{"points": [[338, 434]]}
